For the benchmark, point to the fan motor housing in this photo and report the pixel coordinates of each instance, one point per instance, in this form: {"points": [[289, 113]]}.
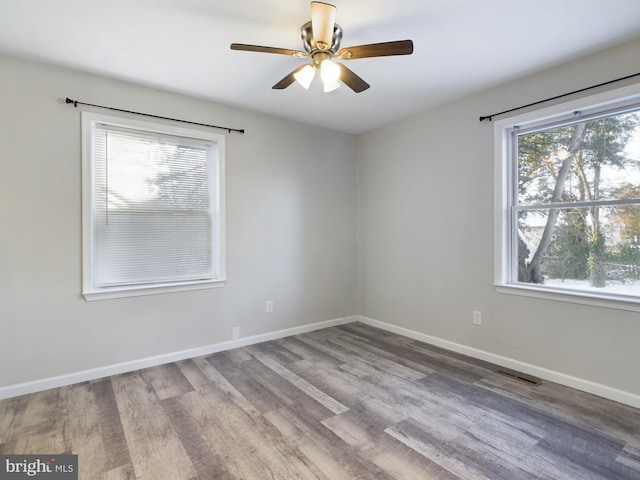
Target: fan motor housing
{"points": [[306, 32]]}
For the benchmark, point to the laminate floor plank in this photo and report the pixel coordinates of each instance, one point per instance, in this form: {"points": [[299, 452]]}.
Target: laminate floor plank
{"points": [[120, 473], [167, 380], [368, 333], [304, 386], [44, 424], [275, 350], [201, 374], [512, 448], [239, 355], [630, 457], [531, 421], [207, 420], [216, 423], [205, 459], [263, 399], [561, 431], [439, 453], [469, 456], [347, 402], [272, 381], [595, 455], [96, 429], [334, 457], [402, 462], [458, 361], [247, 445], [446, 416], [376, 412], [366, 434], [420, 360], [334, 382], [152, 442], [12, 412], [386, 343], [352, 353], [570, 404], [207, 436], [309, 353]]}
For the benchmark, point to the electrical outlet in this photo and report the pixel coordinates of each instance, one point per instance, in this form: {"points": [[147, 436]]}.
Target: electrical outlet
{"points": [[477, 317], [269, 306], [235, 333]]}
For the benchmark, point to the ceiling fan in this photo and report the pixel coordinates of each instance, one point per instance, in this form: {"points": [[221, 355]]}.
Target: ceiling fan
{"points": [[321, 37]]}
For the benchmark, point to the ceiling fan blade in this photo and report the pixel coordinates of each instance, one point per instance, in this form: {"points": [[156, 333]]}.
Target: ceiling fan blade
{"points": [[353, 81], [384, 49], [323, 18], [262, 49], [288, 80]]}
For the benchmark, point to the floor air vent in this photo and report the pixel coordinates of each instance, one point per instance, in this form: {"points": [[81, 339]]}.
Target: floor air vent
{"points": [[523, 377]]}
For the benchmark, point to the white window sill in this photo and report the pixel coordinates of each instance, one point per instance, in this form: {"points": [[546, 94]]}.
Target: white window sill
{"points": [[139, 290], [618, 302]]}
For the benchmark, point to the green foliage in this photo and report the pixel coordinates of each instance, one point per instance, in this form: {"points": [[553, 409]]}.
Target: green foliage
{"points": [[568, 254], [628, 254]]}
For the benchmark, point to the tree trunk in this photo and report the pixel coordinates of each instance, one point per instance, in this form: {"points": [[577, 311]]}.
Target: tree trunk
{"points": [[597, 274], [534, 268]]}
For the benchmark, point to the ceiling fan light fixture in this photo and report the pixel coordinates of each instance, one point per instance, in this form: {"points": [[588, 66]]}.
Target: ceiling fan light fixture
{"points": [[321, 40], [305, 76]]}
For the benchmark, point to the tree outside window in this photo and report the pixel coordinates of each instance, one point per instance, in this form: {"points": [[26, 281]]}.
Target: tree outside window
{"points": [[576, 213]]}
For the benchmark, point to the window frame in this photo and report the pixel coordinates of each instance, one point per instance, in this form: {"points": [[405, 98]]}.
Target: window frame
{"points": [[216, 189], [506, 191]]}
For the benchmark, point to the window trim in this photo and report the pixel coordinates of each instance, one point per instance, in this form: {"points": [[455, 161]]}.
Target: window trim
{"points": [[91, 292], [504, 184]]}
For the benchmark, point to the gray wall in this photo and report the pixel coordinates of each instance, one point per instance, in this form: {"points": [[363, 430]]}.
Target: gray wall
{"points": [[426, 237], [291, 231]]}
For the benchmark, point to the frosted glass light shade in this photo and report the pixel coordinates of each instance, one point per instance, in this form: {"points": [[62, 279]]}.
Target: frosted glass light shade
{"points": [[330, 74], [305, 76], [329, 71], [330, 86]]}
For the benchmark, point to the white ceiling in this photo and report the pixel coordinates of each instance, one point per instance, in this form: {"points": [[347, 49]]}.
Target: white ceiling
{"points": [[461, 46]]}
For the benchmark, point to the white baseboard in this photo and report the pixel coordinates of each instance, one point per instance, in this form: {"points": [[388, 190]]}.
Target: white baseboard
{"points": [[604, 391], [107, 371]]}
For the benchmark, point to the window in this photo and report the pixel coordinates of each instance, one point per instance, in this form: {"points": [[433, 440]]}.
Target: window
{"points": [[568, 201], [153, 208]]}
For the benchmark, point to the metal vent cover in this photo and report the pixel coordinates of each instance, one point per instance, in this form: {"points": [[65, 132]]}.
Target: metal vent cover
{"points": [[523, 377]]}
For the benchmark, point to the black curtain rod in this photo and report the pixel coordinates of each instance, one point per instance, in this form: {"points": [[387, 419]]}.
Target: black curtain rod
{"points": [[490, 117], [76, 103]]}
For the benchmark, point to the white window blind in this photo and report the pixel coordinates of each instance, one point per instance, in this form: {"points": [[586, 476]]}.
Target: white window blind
{"points": [[155, 209]]}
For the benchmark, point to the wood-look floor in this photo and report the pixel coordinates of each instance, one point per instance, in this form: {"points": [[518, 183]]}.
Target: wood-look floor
{"points": [[349, 402]]}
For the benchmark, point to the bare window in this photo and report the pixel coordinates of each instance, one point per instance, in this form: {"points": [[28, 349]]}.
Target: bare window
{"points": [[570, 216]]}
